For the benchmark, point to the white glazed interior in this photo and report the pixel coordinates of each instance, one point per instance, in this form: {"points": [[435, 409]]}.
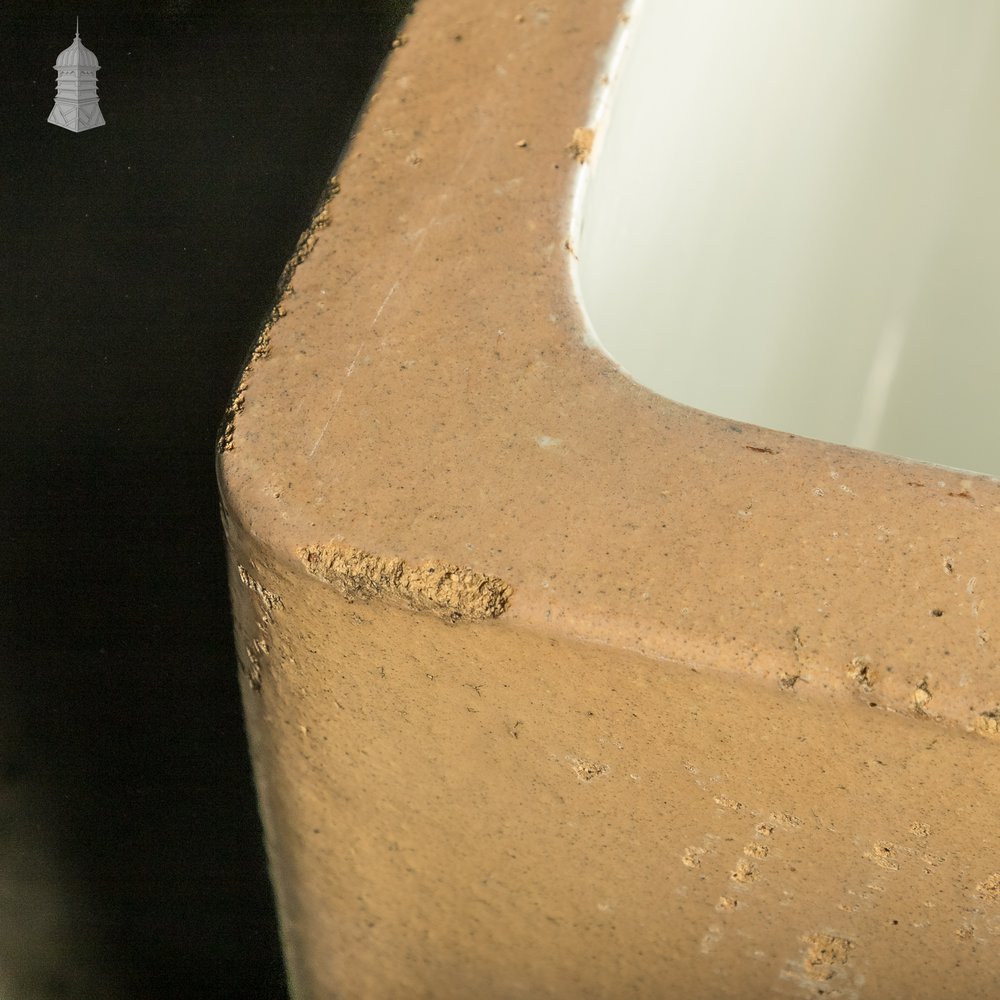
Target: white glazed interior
{"points": [[791, 218]]}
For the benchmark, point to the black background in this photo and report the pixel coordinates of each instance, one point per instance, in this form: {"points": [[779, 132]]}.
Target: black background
{"points": [[137, 263]]}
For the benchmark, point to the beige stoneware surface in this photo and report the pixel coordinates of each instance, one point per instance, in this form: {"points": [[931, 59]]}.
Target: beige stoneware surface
{"points": [[555, 687]]}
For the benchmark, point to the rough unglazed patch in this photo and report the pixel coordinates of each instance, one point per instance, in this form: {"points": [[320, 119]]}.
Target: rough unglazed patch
{"points": [[582, 145], [989, 888], [450, 592], [988, 723], [824, 953]]}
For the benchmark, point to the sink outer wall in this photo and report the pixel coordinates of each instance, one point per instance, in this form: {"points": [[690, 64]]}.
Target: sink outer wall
{"points": [[732, 734]]}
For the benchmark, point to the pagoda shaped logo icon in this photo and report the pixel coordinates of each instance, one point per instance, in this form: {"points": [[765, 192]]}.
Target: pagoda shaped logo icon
{"points": [[76, 106]]}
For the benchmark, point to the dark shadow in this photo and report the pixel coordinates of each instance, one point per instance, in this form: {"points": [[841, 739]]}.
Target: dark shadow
{"points": [[137, 262]]}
